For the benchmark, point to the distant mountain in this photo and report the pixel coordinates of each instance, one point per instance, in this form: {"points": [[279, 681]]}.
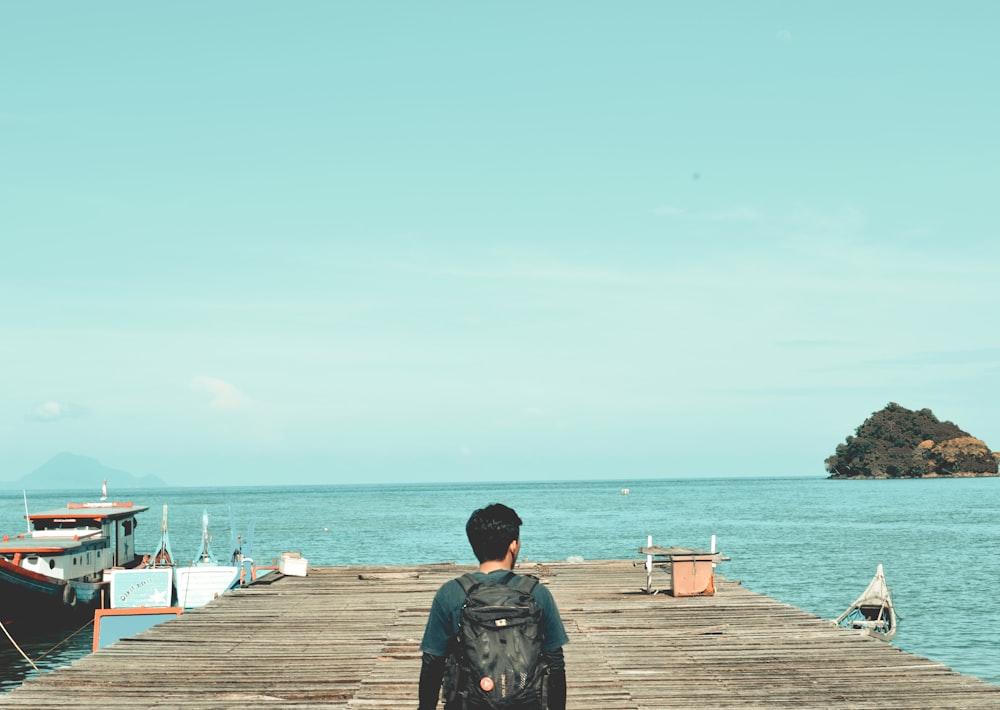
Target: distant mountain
{"points": [[68, 471]]}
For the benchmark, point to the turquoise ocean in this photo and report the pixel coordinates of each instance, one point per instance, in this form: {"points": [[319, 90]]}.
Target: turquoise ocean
{"points": [[810, 542]]}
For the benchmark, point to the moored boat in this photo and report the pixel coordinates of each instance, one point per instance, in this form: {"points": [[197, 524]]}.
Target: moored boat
{"points": [[205, 578], [872, 613], [55, 570]]}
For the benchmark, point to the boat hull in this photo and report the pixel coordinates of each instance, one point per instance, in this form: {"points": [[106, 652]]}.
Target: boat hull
{"points": [[881, 627], [112, 625], [198, 585], [31, 599]]}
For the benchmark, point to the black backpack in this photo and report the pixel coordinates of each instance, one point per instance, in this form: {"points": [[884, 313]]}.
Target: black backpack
{"points": [[496, 660]]}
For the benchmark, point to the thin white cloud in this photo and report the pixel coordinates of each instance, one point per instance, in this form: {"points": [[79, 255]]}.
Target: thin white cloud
{"points": [[847, 220], [967, 356], [668, 211], [8, 117], [52, 411], [543, 272], [224, 395], [783, 36], [738, 213], [568, 273]]}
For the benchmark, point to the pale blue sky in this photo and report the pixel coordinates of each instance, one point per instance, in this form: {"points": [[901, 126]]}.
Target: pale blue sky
{"points": [[321, 241]]}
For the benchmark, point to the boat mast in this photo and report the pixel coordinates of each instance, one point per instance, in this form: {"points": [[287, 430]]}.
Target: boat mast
{"points": [[27, 517]]}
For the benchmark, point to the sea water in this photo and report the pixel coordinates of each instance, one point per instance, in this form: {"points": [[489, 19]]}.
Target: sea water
{"points": [[810, 542]]}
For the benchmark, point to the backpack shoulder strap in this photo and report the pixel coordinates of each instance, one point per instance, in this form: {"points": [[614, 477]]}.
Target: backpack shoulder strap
{"points": [[467, 581], [525, 583]]}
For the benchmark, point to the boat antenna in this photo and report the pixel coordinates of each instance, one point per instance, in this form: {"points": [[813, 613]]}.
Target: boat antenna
{"points": [[27, 518]]}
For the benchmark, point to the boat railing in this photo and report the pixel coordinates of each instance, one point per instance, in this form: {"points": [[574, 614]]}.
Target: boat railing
{"points": [[74, 533]]}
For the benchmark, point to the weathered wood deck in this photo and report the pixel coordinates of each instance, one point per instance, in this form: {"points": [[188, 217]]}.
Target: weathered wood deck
{"points": [[347, 637]]}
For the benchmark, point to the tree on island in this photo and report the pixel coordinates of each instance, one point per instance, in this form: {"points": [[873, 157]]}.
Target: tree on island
{"points": [[899, 443]]}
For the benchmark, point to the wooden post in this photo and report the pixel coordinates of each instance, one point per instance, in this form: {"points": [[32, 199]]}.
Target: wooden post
{"points": [[649, 565]]}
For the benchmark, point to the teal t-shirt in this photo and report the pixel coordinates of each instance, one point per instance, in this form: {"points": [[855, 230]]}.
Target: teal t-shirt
{"points": [[446, 612]]}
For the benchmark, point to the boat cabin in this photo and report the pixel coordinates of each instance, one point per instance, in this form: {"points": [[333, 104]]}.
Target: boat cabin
{"points": [[79, 541]]}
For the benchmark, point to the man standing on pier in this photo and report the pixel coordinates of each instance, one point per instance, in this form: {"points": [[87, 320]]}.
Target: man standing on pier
{"points": [[494, 533]]}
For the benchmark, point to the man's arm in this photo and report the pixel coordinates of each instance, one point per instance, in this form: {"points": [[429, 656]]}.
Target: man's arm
{"points": [[431, 674], [552, 651], [556, 662], [442, 623]]}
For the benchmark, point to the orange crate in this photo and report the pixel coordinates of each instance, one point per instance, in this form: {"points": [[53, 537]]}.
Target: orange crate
{"points": [[692, 575]]}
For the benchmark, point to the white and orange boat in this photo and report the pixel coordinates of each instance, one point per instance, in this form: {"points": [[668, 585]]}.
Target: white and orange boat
{"points": [[55, 570]]}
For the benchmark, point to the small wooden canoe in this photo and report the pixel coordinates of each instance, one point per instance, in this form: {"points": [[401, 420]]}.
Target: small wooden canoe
{"points": [[872, 613]]}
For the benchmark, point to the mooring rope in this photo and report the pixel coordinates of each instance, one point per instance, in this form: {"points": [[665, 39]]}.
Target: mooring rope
{"points": [[89, 623], [19, 649]]}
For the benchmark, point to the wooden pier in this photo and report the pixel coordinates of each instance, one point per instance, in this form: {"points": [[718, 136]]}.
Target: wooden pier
{"points": [[348, 637]]}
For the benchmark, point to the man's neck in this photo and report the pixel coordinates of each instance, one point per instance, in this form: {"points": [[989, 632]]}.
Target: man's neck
{"points": [[494, 565]]}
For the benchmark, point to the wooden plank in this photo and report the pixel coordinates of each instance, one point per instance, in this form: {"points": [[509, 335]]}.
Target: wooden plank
{"points": [[348, 637]]}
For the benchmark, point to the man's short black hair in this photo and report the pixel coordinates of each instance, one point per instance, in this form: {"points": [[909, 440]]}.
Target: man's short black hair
{"points": [[491, 530]]}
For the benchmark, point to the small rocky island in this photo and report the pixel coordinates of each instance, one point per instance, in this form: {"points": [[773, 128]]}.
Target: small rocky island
{"points": [[896, 442]]}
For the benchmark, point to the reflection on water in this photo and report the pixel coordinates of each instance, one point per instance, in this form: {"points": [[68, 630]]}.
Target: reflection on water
{"points": [[48, 650]]}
